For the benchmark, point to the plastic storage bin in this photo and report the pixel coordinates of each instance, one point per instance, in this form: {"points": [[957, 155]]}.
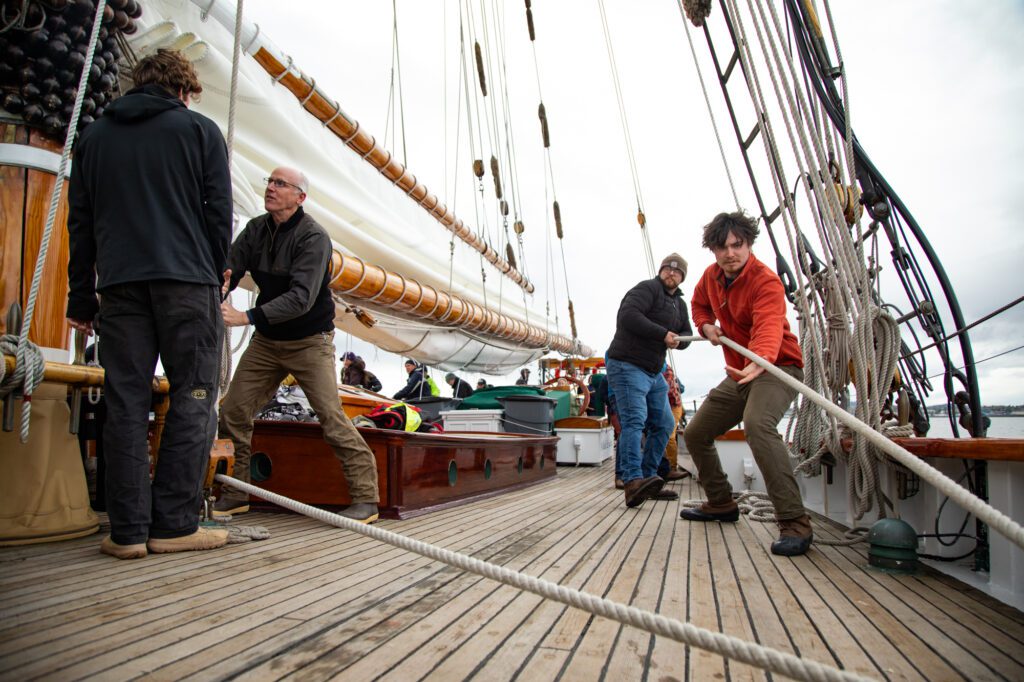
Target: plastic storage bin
{"points": [[476, 421], [531, 414]]}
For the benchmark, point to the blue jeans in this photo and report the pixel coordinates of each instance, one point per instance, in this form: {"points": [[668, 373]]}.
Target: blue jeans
{"points": [[642, 399]]}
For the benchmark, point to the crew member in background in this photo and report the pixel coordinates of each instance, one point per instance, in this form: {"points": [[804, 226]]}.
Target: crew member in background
{"points": [[524, 377], [288, 254], [675, 403], [651, 318], [460, 389], [149, 225], [416, 386], [747, 300]]}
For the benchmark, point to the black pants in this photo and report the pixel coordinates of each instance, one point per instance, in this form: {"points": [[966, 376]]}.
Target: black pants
{"points": [[180, 323]]}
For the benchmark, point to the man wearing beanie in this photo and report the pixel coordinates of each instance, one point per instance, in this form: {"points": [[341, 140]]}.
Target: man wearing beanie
{"points": [[652, 316], [415, 387], [755, 317]]}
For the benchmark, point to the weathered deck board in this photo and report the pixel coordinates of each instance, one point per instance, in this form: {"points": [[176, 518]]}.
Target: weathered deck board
{"points": [[315, 602]]}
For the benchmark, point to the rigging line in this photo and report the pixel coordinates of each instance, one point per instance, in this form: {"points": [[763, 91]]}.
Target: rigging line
{"points": [[978, 362], [621, 104], [401, 99], [960, 331], [707, 101]]}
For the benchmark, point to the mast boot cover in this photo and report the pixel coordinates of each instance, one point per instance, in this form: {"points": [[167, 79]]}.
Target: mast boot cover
{"points": [[43, 493]]}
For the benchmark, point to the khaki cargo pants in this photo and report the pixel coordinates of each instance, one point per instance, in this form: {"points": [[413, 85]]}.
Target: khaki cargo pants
{"points": [[264, 365], [760, 405]]}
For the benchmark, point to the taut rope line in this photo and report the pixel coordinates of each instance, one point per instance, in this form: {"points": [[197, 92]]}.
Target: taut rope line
{"points": [[715, 642], [1012, 530]]}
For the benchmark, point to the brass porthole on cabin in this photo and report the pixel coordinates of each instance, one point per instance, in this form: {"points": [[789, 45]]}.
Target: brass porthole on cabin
{"points": [[260, 467], [453, 473], [488, 469]]}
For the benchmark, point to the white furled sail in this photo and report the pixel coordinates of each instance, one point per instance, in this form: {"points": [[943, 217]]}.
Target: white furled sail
{"points": [[366, 214]]}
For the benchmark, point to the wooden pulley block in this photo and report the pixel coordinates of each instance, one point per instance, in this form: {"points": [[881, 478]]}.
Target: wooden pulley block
{"points": [[222, 461]]}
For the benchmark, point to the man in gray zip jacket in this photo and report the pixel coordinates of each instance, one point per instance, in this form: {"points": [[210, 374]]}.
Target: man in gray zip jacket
{"points": [[288, 255]]}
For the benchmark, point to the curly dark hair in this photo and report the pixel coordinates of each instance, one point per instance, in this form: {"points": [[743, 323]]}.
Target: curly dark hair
{"points": [[738, 222], [169, 69]]}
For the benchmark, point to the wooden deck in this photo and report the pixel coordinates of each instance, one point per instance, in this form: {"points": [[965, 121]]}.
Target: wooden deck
{"points": [[315, 602]]}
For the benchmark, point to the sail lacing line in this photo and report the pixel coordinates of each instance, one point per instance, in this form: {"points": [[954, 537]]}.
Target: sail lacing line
{"points": [[29, 363], [549, 182]]}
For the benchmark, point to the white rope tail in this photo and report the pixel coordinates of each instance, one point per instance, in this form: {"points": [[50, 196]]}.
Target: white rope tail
{"points": [[961, 496], [715, 642], [24, 346]]}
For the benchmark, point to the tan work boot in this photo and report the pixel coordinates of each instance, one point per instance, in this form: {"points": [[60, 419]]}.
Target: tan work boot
{"points": [[795, 536], [203, 538], [108, 546]]}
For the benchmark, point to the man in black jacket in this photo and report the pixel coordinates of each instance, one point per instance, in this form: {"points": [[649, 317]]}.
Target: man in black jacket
{"points": [[149, 227], [652, 317], [460, 389], [288, 255]]}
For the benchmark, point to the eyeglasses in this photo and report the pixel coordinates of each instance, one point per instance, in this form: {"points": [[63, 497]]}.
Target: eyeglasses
{"points": [[281, 184]]}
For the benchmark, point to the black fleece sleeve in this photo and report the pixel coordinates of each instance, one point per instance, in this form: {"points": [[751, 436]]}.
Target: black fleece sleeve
{"points": [[82, 302], [684, 328], [634, 310]]}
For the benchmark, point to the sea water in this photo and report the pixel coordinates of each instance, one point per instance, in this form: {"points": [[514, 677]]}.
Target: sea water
{"points": [[1001, 427]]}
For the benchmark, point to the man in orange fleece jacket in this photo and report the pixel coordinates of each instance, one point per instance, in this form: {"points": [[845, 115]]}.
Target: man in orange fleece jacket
{"points": [[747, 300]]}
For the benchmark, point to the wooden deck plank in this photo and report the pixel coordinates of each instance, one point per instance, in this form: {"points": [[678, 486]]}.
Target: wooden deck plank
{"points": [[635, 647], [322, 561], [832, 596], [944, 632], [595, 643], [481, 653], [439, 633], [306, 640], [315, 602], [814, 625]]}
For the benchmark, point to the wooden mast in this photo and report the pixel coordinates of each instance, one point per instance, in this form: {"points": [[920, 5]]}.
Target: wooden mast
{"points": [[354, 277]]}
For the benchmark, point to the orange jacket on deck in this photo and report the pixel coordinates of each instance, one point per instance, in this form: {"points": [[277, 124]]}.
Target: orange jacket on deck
{"points": [[751, 312]]}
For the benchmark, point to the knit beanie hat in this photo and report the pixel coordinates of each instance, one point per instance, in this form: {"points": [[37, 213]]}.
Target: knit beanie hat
{"points": [[675, 261]]}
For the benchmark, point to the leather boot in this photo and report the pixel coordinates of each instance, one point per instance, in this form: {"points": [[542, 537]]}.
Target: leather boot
{"points": [[795, 537], [676, 475], [639, 490], [726, 512]]}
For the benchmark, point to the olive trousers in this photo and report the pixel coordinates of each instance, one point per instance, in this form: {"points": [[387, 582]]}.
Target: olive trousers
{"points": [[760, 405], [264, 364]]}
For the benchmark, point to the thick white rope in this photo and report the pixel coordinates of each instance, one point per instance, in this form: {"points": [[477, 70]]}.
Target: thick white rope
{"points": [[715, 642], [26, 354]]}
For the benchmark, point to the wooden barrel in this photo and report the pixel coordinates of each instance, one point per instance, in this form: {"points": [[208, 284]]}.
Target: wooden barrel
{"points": [[28, 170]]}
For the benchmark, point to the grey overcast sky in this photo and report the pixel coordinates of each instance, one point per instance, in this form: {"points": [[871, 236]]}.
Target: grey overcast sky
{"points": [[937, 87]]}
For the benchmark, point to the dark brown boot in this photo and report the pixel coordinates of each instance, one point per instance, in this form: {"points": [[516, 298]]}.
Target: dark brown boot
{"points": [[676, 475], [619, 485], [639, 490], [795, 536]]}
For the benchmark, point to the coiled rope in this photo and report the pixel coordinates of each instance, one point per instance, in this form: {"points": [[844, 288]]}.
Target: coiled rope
{"points": [[715, 642], [30, 364]]}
